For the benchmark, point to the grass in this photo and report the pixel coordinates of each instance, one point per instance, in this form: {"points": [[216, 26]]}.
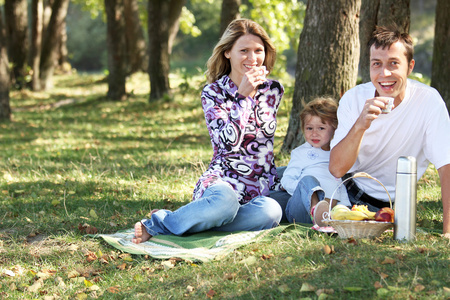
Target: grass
{"points": [[107, 164]]}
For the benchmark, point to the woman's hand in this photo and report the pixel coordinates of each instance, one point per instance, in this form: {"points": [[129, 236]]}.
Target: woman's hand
{"points": [[251, 80]]}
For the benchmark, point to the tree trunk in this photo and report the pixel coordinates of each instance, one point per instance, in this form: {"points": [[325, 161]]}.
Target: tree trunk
{"points": [[16, 18], [50, 46], [5, 109], [136, 47], [163, 22], [367, 23], [37, 14], [62, 62], [116, 49], [441, 51], [228, 13], [328, 55], [382, 13]]}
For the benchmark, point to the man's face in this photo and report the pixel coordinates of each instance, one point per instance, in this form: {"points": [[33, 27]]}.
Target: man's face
{"points": [[389, 70]]}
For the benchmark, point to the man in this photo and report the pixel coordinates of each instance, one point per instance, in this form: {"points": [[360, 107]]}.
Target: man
{"points": [[370, 141]]}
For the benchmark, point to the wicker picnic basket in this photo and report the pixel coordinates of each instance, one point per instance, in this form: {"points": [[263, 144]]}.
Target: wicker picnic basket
{"points": [[357, 229]]}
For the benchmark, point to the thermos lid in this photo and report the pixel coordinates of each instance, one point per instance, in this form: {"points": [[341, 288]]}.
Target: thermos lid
{"points": [[407, 164]]}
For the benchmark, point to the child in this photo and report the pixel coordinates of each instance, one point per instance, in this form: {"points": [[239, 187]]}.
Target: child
{"points": [[307, 178]]}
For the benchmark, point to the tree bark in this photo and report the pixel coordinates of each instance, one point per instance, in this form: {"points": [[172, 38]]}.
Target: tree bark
{"points": [[328, 55], [163, 23], [116, 49], [441, 51], [381, 13], [37, 14], [16, 18], [5, 109], [50, 46], [228, 13], [136, 47]]}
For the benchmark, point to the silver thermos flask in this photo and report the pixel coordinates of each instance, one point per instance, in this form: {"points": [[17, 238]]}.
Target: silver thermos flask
{"points": [[405, 199]]}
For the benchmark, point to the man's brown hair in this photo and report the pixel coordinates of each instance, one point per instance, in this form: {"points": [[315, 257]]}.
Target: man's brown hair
{"points": [[385, 36]]}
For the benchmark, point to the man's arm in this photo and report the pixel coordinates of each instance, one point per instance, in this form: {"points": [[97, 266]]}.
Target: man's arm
{"points": [[344, 154], [444, 175]]}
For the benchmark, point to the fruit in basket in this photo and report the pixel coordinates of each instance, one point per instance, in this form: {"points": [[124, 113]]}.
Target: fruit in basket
{"points": [[365, 210], [342, 212], [385, 214]]}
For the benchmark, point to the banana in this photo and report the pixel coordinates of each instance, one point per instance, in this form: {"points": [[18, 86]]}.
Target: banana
{"points": [[349, 215], [365, 210]]}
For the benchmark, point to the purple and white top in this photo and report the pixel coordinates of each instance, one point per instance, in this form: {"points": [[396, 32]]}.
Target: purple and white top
{"points": [[242, 132]]}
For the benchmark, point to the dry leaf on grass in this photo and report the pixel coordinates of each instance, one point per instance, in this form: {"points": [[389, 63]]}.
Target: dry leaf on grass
{"points": [[328, 250], [210, 294], [388, 260], [306, 287], [377, 285]]}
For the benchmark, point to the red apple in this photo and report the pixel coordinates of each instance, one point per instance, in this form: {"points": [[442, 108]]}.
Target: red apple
{"points": [[385, 214]]}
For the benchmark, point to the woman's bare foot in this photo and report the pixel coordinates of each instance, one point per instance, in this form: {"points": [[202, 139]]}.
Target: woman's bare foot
{"points": [[140, 234]]}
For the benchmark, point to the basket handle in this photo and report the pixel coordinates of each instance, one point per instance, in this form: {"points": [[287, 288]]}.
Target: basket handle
{"points": [[327, 215]]}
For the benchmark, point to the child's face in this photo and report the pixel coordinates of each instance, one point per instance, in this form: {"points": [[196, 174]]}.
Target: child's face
{"points": [[317, 133]]}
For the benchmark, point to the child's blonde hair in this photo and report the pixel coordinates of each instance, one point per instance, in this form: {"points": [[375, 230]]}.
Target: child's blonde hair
{"points": [[323, 107]]}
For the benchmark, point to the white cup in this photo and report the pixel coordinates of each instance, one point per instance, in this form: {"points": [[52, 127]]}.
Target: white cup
{"points": [[389, 106]]}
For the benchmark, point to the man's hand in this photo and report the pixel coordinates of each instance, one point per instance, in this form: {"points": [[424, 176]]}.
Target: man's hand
{"points": [[372, 109]]}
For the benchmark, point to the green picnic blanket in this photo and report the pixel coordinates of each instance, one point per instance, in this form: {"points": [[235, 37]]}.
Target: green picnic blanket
{"points": [[203, 246]]}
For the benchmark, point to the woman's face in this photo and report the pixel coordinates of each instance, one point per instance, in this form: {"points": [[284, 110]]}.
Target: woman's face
{"points": [[247, 52]]}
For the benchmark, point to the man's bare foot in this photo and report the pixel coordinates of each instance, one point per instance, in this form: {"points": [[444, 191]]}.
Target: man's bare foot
{"points": [[140, 234]]}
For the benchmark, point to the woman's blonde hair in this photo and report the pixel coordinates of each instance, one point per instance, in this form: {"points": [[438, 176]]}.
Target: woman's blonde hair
{"points": [[218, 65], [323, 107]]}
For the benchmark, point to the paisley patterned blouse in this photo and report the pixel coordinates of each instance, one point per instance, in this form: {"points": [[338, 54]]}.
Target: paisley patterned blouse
{"points": [[242, 132]]}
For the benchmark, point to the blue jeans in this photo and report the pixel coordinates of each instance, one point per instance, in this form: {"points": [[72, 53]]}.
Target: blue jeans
{"points": [[218, 209], [296, 208], [299, 205]]}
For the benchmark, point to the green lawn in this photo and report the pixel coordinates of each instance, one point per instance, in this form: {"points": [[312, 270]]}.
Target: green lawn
{"points": [[70, 158]]}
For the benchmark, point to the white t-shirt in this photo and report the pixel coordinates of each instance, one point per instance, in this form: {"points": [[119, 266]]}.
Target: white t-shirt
{"points": [[418, 127], [308, 160]]}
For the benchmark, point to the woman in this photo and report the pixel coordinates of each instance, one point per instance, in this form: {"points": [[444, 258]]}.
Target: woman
{"points": [[240, 107]]}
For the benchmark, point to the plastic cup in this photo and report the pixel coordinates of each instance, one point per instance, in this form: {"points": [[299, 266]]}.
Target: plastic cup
{"points": [[389, 106]]}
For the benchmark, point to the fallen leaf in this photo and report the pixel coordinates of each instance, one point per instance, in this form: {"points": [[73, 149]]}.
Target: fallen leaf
{"points": [[352, 241], [229, 276], [91, 256], [419, 288], [36, 286], [87, 283], [266, 256], [306, 287], [383, 275], [324, 291], [328, 250], [249, 260], [81, 296], [12, 287], [388, 260], [210, 294], [94, 287], [383, 292], [73, 274], [113, 289], [421, 249], [93, 214], [122, 266], [167, 264], [284, 288], [377, 285], [126, 257]]}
